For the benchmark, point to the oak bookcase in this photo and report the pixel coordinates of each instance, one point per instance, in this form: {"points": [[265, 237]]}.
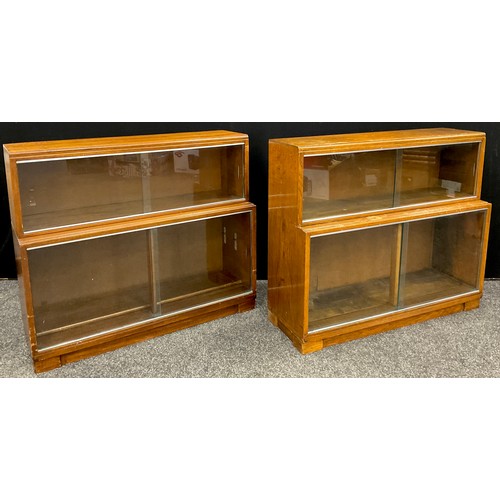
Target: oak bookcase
{"points": [[373, 231], [126, 238]]}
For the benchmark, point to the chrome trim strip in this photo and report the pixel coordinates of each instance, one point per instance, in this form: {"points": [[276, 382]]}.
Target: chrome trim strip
{"points": [[338, 325], [140, 214], [76, 341]]}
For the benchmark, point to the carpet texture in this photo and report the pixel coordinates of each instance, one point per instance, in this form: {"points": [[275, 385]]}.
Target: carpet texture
{"points": [[248, 345]]}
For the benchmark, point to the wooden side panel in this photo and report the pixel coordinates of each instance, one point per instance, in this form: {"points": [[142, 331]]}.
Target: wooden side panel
{"points": [[13, 193], [253, 248], [484, 249], [246, 168], [25, 296], [480, 166], [287, 280]]}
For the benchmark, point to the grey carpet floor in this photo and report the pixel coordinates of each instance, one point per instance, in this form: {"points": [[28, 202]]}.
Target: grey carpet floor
{"points": [[248, 345]]}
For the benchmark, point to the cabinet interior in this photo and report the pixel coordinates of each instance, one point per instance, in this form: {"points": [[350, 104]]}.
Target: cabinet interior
{"points": [[62, 192], [360, 274], [87, 287], [349, 183]]}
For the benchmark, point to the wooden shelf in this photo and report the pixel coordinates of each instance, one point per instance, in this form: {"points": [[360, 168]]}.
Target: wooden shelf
{"points": [[99, 213], [349, 303], [89, 318], [429, 285], [322, 209], [365, 300], [319, 209], [435, 194]]}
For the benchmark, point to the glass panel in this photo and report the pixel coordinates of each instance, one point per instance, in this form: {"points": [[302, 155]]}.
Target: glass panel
{"points": [[437, 173], [359, 274], [203, 261], [442, 258], [82, 288], [349, 183], [341, 184], [197, 176], [63, 192], [85, 287], [353, 275]]}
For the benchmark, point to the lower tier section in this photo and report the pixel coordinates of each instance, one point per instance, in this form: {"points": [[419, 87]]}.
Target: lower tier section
{"points": [[49, 359], [398, 319], [93, 286]]}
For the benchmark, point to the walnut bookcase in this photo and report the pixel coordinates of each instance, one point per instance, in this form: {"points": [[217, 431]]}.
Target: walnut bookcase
{"points": [[122, 239], [373, 231]]}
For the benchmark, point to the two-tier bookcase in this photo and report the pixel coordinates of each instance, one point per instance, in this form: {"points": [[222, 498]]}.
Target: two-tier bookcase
{"points": [[122, 239], [372, 231]]}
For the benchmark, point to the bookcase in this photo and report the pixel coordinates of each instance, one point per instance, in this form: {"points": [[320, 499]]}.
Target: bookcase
{"points": [[373, 231], [122, 239]]}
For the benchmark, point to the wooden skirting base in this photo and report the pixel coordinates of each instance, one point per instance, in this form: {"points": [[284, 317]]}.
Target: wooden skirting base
{"points": [[54, 358], [316, 342]]}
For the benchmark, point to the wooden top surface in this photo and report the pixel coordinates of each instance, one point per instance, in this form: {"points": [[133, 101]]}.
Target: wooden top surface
{"points": [[387, 139], [102, 145]]}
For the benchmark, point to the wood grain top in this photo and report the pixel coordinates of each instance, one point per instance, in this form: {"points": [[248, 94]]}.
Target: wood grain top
{"points": [[387, 139], [103, 145]]}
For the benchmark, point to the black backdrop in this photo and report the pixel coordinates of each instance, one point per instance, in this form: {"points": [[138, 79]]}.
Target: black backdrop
{"points": [[259, 134]]}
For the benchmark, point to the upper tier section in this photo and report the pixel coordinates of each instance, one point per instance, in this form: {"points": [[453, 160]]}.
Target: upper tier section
{"points": [[347, 174], [55, 185]]}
